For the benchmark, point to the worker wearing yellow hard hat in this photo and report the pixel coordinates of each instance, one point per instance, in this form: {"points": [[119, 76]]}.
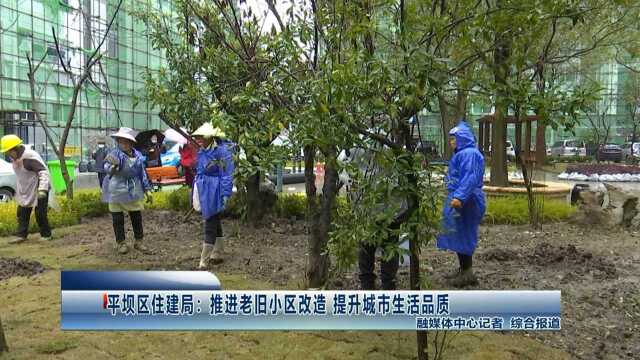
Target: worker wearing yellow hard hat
{"points": [[32, 186], [9, 142], [212, 187]]}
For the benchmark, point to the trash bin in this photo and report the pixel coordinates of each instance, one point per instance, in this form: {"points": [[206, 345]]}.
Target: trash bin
{"points": [[56, 175]]}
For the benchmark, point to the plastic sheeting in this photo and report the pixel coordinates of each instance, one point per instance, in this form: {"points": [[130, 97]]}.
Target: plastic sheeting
{"points": [[600, 178]]}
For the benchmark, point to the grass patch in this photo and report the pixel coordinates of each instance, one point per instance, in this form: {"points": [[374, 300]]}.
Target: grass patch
{"points": [[56, 347], [511, 210], [514, 210]]}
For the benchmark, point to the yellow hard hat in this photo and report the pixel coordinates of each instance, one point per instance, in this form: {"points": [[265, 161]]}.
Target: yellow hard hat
{"points": [[8, 142]]}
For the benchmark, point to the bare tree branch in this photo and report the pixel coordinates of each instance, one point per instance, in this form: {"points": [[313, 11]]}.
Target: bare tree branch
{"points": [[272, 7], [34, 105]]}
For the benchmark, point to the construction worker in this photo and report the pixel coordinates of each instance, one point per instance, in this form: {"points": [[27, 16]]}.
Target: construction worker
{"points": [[32, 186], [125, 188], [212, 188], [98, 156], [364, 159], [465, 204]]}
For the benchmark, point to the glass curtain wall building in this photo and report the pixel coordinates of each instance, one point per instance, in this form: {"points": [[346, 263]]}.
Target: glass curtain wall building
{"points": [[106, 102]]}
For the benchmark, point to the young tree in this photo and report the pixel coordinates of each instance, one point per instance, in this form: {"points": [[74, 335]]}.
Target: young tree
{"points": [[378, 72], [631, 98], [600, 120], [78, 81], [220, 67], [530, 40]]}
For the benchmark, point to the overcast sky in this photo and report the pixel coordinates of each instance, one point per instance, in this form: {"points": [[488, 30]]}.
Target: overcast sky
{"points": [[259, 7]]}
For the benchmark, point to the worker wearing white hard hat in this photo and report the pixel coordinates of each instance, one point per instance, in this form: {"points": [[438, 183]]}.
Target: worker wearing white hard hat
{"points": [[212, 187], [125, 188]]}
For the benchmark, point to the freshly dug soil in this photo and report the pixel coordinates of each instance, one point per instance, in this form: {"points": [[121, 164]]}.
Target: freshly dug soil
{"points": [[597, 270], [10, 267]]}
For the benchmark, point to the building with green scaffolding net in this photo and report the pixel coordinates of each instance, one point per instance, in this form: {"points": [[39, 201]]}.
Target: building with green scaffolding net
{"points": [[109, 100]]}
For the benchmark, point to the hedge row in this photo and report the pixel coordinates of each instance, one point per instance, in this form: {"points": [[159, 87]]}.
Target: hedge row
{"points": [[504, 210]]}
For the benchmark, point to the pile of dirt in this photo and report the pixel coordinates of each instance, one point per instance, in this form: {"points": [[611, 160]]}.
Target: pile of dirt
{"points": [[545, 254], [499, 255], [10, 267]]}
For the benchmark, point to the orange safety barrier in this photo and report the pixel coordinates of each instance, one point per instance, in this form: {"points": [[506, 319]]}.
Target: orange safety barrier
{"points": [[165, 175]]}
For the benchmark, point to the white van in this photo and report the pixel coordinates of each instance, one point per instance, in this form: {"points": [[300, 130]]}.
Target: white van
{"points": [[569, 148]]}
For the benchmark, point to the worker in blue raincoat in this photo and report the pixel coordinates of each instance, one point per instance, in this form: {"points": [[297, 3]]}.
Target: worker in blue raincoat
{"points": [[125, 188], [212, 188], [465, 204]]}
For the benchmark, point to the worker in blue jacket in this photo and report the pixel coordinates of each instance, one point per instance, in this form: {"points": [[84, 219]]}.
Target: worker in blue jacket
{"points": [[465, 204], [212, 188]]}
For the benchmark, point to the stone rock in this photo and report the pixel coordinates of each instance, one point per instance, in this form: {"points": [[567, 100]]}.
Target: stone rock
{"points": [[623, 207]]}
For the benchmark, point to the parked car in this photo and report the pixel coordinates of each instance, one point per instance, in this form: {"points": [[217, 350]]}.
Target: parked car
{"points": [[631, 150], [511, 153], [7, 181], [609, 152], [569, 148]]}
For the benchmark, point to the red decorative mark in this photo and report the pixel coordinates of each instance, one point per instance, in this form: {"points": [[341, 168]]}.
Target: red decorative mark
{"points": [[104, 300]]}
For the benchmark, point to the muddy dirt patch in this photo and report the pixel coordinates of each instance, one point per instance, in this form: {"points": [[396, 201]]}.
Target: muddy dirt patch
{"points": [[601, 319], [274, 252], [567, 257], [570, 256], [10, 267]]}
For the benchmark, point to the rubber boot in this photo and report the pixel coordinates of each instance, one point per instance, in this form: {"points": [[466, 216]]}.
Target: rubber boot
{"points": [[204, 257], [138, 245], [218, 251], [466, 278], [123, 248], [452, 275]]}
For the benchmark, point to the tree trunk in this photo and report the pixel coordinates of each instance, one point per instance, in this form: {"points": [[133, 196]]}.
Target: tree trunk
{"points": [[414, 280], [499, 132], [3, 340], [255, 211], [320, 216], [447, 122], [498, 152], [309, 175], [65, 175], [541, 145]]}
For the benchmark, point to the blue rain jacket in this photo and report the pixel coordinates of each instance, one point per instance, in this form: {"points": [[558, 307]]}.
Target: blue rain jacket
{"points": [[214, 177], [129, 183], [464, 182]]}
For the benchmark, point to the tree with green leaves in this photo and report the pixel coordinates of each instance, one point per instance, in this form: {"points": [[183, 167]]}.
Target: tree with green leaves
{"points": [[523, 44], [375, 74], [220, 68]]}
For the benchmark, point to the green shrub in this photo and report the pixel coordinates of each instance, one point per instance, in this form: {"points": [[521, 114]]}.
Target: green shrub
{"points": [[514, 210], [178, 200], [568, 159], [86, 203], [511, 210], [290, 205]]}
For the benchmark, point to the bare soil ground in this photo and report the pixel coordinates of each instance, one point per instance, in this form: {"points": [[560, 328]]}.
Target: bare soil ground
{"points": [[598, 270], [18, 267]]}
